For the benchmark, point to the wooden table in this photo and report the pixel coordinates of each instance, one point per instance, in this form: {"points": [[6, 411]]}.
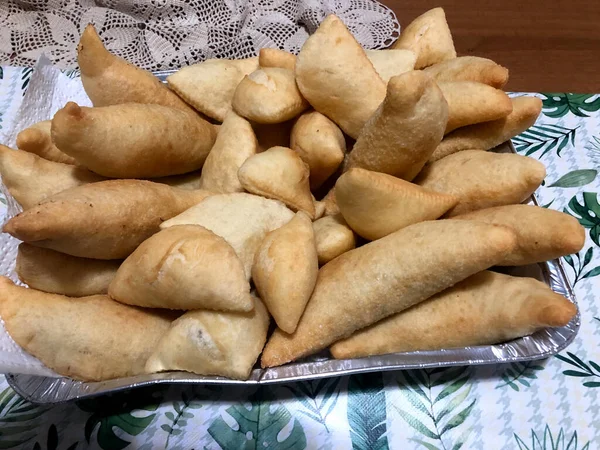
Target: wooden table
{"points": [[549, 46]]}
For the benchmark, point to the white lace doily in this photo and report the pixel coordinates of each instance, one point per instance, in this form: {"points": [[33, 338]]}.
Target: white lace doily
{"points": [[166, 34]]}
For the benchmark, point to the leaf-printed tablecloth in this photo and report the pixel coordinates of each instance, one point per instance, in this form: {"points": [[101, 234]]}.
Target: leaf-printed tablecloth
{"points": [[550, 404]]}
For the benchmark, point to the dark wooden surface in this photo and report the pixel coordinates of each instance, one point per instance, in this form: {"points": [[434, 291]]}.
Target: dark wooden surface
{"points": [[548, 45]]}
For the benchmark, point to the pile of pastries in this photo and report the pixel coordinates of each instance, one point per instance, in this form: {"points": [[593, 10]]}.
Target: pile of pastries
{"points": [[281, 205]]}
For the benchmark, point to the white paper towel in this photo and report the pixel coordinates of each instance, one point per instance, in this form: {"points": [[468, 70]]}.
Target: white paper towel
{"points": [[48, 91]]}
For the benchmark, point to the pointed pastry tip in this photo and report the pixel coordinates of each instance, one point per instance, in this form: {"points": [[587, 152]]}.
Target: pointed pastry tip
{"points": [[557, 314], [73, 109]]}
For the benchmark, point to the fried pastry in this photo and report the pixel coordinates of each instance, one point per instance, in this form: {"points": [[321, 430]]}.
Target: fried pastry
{"points": [[90, 338], [274, 57], [58, 273], [344, 86], [320, 144], [384, 277], [376, 204], [487, 135], [391, 62], [269, 96], [469, 68], [483, 179], [486, 308], [285, 270], [405, 130], [470, 102], [333, 237], [242, 219], [235, 143], [31, 179], [217, 343], [429, 37], [183, 267], [110, 80], [36, 139], [104, 220], [209, 86], [279, 173], [133, 140], [387, 63], [543, 234]]}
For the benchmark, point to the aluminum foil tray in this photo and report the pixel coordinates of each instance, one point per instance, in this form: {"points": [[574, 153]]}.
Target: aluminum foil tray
{"points": [[540, 345]]}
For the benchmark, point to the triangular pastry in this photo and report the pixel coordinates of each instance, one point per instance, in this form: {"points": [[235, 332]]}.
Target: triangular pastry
{"points": [[376, 204], [285, 270], [183, 267], [279, 173]]}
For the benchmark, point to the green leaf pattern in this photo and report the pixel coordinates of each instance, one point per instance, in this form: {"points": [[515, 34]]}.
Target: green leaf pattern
{"points": [[18, 419], [440, 400], [259, 424], [367, 412], [587, 211], [318, 398], [130, 416], [580, 267], [519, 374], [576, 178], [541, 139], [559, 105], [550, 441]]}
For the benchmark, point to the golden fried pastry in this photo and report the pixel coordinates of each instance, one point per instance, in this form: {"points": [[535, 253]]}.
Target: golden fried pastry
{"points": [[387, 63], [405, 129], [487, 135], [486, 308], [242, 219], [274, 57], [429, 37], [37, 140], [285, 270], [344, 86], [110, 80], [31, 179], [320, 144], [384, 277], [391, 62], [209, 86], [269, 96], [183, 267], [58, 273], [543, 234], [333, 237], [235, 143], [469, 68], [376, 204], [104, 220], [218, 343], [90, 338], [133, 140], [279, 173], [483, 179], [470, 102]]}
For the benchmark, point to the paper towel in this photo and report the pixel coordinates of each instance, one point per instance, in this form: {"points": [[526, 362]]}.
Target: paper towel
{"points": [[48, 91]]}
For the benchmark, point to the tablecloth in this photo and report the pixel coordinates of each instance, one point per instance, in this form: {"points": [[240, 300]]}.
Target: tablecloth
{"points": [[547, 404]]}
